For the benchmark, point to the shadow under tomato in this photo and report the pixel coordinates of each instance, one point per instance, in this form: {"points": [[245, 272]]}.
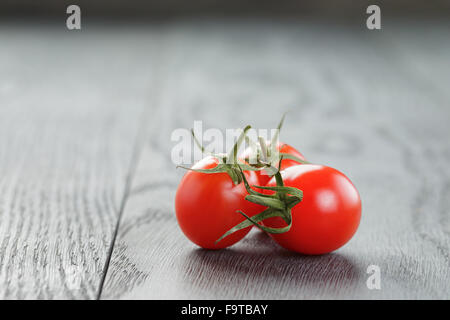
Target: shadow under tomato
{"points": [[259, 268]]}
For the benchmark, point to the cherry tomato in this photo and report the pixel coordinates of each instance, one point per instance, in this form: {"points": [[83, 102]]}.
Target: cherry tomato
{"points": [[206, 205], [282, 148], [285, 148], [328, 215]]}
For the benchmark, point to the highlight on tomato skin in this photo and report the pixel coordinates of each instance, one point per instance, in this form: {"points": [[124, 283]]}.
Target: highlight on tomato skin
{"points": [[263, 177], [326, 218], [206, 205]]}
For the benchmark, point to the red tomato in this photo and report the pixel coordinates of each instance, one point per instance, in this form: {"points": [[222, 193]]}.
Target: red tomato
{"points": [[282, 148], [328, 215], [285, 148], [206, 205]]}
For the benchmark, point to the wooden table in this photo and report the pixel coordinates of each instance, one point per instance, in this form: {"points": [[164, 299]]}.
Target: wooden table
{"points": [[87, 183]]}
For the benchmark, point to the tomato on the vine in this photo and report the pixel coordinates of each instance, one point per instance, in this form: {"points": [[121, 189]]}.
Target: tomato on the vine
{"points": [[328, 215], [206, 205], [285, 148], [285, 163]]}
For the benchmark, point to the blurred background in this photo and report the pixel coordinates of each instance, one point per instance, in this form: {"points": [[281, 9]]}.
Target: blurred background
{"points": [[158, 9]]}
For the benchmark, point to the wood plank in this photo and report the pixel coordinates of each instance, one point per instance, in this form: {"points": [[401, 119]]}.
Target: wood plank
{"points": [[71, 104], [355, 106]]}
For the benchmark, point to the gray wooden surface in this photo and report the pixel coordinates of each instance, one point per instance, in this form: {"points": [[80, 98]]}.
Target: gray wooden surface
{"points": [[87, 185]]}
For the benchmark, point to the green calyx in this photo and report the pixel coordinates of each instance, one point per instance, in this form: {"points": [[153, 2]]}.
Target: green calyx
{"points": [[278, 204], [266, 155], [228, 163], [281, 202]]}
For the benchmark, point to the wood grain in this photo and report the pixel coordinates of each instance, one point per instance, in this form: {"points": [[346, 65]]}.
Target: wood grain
{"points": [[70, 109], [85, 125], [373, 104]]}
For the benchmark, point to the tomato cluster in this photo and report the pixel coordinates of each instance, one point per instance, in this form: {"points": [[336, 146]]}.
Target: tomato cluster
{"points": [[215, 212]]}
